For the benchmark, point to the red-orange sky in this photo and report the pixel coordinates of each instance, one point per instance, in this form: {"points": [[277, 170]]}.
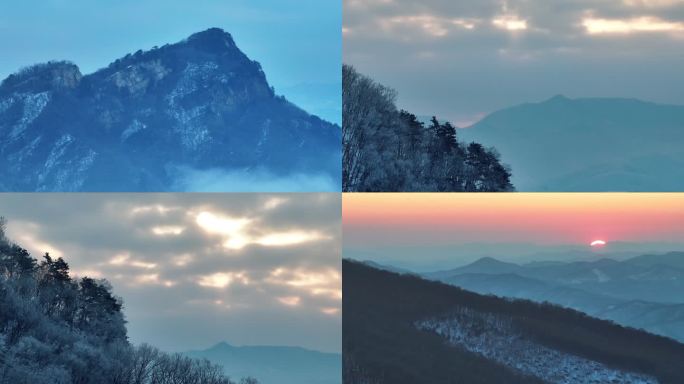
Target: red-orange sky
{"points": [[554, 218]]}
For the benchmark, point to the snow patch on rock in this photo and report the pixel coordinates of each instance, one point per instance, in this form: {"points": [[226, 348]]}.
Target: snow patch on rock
{"points": [[33, 105], [133, 128]]}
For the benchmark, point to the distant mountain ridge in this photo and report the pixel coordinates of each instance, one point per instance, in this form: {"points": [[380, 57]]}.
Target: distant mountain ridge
{"points": [[275, 364], [158, 120], [643, 292], [588, 144]]}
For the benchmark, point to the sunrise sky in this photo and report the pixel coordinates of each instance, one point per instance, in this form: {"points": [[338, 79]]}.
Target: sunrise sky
{"points": [[435, 230], [197, 269]]}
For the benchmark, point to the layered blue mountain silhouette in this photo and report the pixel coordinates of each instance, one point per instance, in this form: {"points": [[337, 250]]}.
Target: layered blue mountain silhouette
{"points": [[591, 144], [645, 292], [195, 115], [275, 365]]}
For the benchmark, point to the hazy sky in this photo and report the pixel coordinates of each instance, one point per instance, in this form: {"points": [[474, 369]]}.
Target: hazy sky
{"points": [[462, 59], [298, 42], [197, 269], [431, 231]]}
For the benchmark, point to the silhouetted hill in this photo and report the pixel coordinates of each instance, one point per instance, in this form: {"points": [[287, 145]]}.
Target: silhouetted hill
{"points": [[403, 329], [390, 268], [275, 364], [644, 292], [482, 265], [194, 115], [590, 144], [670, 259]]}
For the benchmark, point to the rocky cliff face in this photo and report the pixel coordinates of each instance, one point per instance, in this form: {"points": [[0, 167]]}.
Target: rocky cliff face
{"points": [[142, 122]]}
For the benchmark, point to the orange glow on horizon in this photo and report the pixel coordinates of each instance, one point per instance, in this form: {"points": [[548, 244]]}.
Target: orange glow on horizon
{"points": [[492, 217]]}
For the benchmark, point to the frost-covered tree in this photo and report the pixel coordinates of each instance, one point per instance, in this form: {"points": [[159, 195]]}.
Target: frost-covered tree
{"points": [[59, 330], [385, 149]]}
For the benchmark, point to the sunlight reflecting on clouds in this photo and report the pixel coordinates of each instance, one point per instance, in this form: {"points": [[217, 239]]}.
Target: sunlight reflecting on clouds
{"points": [[316, 282], [150, 278], [223, 279], [432, 25], [509, 22], [153, 208], [213, 223], [182, 260], [124, 259], [168, 230], [234, 228], [274, 202], [330, 310], [119, 259], [25, 233], [334, 293], [652, 3], [240, 231], [595, 26], [288, 238], [290, 300]]}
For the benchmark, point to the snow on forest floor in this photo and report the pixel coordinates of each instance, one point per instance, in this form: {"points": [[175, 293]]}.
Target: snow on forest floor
{"points": [[496, 338]]}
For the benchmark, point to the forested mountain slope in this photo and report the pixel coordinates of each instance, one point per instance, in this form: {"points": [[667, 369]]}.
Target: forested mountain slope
{"points": [[385, 149], [404, 329]]}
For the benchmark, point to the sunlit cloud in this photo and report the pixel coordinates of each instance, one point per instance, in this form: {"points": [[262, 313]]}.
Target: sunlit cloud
{"points": [[25, 233], [429, 24], [124, 259], [510, 23], [596, 26], [652, 3], [334, 293], [324, 282], [465, 23], [142, 264], [222, 304], [330, 310], [288, 238], [274, 203], [237, 241], [237, 231], [168, 230], [182, 260], [156, 208], [223, 279], [290, 300], [233, 228], [152, 279], [302, 278], [120, 259], [213, 223]]}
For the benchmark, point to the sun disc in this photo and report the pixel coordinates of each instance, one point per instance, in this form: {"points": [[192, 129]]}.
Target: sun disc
{"points": [[597, 243]]}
